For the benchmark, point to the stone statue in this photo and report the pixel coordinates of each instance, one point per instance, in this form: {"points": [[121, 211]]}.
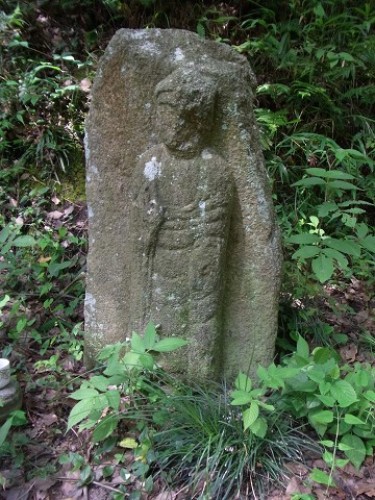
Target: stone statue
{"points": [[181, 214], [181, 224]]}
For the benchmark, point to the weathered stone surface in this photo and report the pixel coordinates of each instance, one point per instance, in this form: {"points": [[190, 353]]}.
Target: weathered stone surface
{"points": [[182, 230], [10, 399]]}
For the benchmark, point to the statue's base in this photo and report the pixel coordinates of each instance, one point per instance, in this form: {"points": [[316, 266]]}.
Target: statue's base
{"points": [[10, 399]]}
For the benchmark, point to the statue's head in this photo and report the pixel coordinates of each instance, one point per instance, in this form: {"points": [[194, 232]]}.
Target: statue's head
{"points": [[185, 105]]}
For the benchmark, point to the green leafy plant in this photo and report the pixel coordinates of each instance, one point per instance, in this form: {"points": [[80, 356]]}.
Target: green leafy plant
{"points": [[185, 434], [200, 442], [317, 132], [123, 375], [11, 442], [338, 402]]}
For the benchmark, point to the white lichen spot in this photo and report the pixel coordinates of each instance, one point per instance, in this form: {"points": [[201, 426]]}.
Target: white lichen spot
{"points": [[136, 34], [93, 169], [152, 205], [90, 212], [154, 277], [150, 47], [152, 169], [158, 291], [206, 155], [178, 55], [86, 144], [147, 105], [124, 70], [202, 208], [90, 304], [171, 297]]}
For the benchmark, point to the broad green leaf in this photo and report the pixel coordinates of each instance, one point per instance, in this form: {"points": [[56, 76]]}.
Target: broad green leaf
{"points": [[113, 398], [169, 344], [362, 230], [114, 367], [323, 354], [329, 174], [304, 239], [147, 361], [348, 186], [362, 378], [266, 406], [131, 360], [344, 393], [243, 382], [250, 415], [318, 172], [324, 387], [355, 211], [328, 457], [326, 208], [321, 477], [80, 411], [353, 420], [369, 243], [54, 268], [241, 398], [357, 451], [316, 374], [337, 174], [319, 10], [302, 347], [137, 343], [104, 428], [338, 256], [328, 443], [370, 396], [306, 252], [24, 241], [18, 418], [129, 443], [4, 301], [259, 427], [322, 417], [84, 393], [4, 234], [149, 338], [322, 267], [310, 181], [341, 462], [4, 430], [326, 400], [99, 382], [344, 246]]}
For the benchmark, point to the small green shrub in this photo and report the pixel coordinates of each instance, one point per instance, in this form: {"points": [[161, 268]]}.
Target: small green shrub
{"points": [[337, 402]]}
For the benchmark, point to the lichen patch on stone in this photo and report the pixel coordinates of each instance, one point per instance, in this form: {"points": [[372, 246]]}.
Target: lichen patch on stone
{"points": [[178, 54], [152, 169]]}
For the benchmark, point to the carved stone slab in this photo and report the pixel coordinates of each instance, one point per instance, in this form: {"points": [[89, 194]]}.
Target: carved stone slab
{"points": [[181, 224]]}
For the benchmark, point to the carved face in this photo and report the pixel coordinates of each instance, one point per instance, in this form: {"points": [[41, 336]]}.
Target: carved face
{"points": [[181, 128], [185, 109]]}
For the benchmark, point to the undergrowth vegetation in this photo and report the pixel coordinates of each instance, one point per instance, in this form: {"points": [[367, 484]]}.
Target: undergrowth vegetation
{"points": [[315, 106]]}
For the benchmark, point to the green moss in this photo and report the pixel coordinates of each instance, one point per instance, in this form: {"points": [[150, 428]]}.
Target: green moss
{"points": [[72, 185]]}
